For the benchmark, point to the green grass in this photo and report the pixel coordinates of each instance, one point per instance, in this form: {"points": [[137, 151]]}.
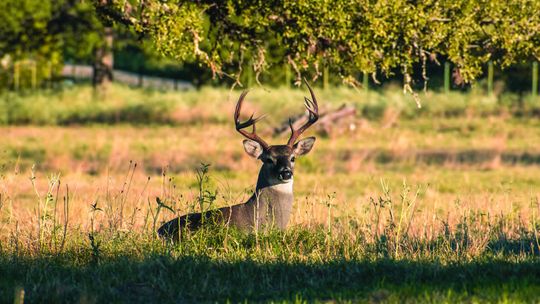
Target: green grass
{"points": [[120, 104], [299, 265]]}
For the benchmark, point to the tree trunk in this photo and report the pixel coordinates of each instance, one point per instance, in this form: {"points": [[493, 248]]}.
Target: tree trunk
{"points": [[103, 64]]}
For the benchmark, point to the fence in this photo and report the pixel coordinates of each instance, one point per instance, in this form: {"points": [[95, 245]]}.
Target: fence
{"points": [[490, 78], [132, 79], [137, 80]]}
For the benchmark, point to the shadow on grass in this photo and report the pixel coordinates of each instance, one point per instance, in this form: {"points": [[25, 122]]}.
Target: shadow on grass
{"points": [[162, 278]]}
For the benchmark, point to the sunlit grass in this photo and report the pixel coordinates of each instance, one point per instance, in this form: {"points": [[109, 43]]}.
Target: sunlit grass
{"points": [[121, 104]]}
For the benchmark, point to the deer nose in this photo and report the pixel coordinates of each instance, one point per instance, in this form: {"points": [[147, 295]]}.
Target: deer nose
{"points": [[285, 174]]}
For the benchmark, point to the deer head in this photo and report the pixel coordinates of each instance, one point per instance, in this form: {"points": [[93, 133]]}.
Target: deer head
{"points": [[278, 160]]}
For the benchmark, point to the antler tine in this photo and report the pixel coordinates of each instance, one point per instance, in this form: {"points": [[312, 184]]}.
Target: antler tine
{"points": [[310, 106], [313, 108], [240, 126]]}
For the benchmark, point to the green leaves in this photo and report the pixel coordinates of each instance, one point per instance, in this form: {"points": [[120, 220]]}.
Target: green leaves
{"points": [[350, 36]]}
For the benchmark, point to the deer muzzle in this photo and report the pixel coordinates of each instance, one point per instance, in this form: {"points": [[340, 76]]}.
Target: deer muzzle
{"points": [[285, 174]]}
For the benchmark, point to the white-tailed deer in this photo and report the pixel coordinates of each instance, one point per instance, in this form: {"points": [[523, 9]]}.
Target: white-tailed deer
{"points": [[271, 203]]}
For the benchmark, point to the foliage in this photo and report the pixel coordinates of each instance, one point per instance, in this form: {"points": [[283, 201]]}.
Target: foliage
{"points": [[45, 33], [368, 36]]}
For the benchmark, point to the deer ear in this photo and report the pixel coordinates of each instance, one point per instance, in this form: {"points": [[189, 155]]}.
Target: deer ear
{"points": [[253, 148], [304, 146]]}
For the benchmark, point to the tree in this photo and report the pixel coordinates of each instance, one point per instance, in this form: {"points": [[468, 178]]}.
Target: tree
{"points": [[26, 31], [350, 36], [50, 31]]}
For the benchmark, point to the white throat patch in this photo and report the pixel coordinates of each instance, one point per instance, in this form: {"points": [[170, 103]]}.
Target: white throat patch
{"points": [[283, 187]]}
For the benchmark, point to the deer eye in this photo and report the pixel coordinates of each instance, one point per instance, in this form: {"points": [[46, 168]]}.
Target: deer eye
{"points": [[292, 159]]}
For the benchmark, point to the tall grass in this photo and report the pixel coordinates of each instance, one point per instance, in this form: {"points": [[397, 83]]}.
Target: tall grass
{"points": [[387, 225], [386, 250]]}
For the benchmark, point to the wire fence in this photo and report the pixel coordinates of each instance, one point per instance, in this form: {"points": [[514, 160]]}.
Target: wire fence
{"points": [[30, 74], [76, 71]]}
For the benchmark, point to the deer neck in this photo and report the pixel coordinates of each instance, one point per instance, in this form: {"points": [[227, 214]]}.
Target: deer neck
{"points": [[272, 201]]}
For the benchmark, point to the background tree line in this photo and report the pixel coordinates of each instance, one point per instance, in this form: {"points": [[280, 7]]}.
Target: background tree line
{"points": [[242, 42]]}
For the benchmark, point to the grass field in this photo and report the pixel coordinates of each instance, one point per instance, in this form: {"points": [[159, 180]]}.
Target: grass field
{"points": [[436, 205]]}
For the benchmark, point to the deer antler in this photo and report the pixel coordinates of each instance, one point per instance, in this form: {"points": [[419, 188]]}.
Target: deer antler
{"points": [[250, 122], [313, 109]]}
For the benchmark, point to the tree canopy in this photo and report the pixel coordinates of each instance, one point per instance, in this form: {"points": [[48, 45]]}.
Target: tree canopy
{"points": [[48, 32], [375, 37]]}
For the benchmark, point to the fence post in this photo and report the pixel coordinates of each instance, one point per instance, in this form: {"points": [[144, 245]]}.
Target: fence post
{"points": [[325, 77], [139, 80], [34, 75], [287, 75], [534, 91], [250, 74], [19, 295], [365, 81], [490, 78], [16, 73], [49, 75], [446, 77]]}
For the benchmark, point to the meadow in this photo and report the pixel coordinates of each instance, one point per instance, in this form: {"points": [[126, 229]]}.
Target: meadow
{"points": [[400, 204]]}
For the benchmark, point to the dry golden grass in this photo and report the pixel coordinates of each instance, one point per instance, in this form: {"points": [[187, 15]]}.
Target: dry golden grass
{"points": [[121, 170]]}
